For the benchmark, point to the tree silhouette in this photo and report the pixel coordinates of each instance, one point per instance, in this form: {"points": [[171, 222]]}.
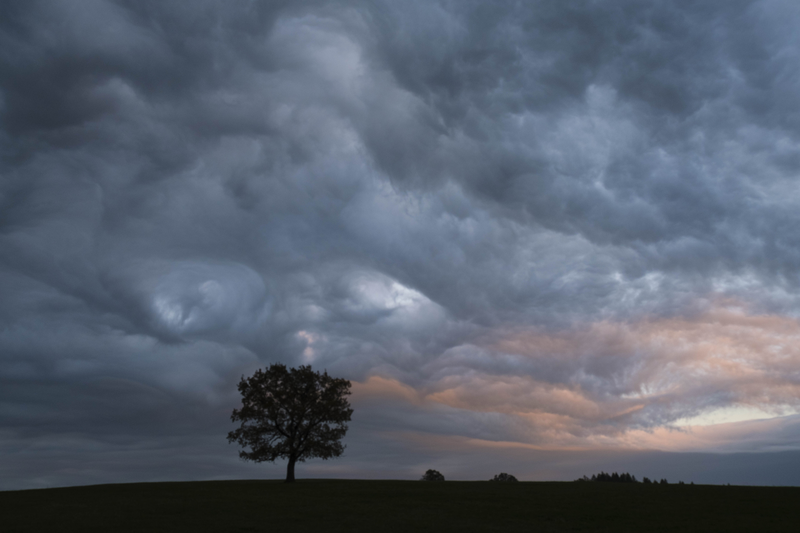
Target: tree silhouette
{"points": [[432, 475], [503, 477], [293, 413]]}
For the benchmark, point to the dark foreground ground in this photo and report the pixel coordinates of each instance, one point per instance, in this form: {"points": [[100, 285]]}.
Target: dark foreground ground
{"points": [[402, 506]]}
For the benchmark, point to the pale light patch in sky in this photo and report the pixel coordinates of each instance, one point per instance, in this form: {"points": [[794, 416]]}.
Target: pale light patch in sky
{"points": [[377, 292], [734, 413], [308, 352], [766, 434]]}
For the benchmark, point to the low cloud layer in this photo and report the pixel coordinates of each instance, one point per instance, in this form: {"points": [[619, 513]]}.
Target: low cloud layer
{"points": [[555, 225]]}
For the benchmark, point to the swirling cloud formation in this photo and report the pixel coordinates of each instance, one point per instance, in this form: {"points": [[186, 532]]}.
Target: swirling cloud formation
{"points": [[528, 227]]}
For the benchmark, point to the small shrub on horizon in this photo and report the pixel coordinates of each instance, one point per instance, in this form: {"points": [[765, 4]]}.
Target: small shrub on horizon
{"points": [[432, 475], [503, 477]]}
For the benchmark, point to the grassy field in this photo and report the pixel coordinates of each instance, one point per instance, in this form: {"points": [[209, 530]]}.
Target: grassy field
{"points": [[402, 506]]}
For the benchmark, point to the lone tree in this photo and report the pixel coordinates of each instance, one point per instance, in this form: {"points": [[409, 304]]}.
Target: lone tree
{"points": [[291, 413]]}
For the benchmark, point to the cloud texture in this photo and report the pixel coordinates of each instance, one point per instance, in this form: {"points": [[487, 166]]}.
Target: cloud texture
{"points": [[550, 225]]}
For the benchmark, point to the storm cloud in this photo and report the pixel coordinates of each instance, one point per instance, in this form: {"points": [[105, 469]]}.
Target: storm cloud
{"points": [[520, 229]]}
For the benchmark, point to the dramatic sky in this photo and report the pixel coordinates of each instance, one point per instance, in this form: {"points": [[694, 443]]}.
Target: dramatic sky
{"points": [[545, 238]]}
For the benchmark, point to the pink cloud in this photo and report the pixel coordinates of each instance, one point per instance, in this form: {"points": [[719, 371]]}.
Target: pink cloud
{"points": [[618, 384]]}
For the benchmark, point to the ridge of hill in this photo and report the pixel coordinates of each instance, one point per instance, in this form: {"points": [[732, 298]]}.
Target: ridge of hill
{"points": [[389, 506]]}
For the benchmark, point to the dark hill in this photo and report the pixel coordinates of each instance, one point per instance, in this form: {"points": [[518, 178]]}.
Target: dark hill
{"points": [[402, 506]]}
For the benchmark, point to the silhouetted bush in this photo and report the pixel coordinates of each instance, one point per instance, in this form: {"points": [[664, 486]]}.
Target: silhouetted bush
{"points": [[432, 475], [664, 482], [646, 480], [503, 477]]}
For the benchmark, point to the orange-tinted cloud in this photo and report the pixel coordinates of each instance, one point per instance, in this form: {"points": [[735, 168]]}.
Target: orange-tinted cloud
{"points": [[618, 384]]}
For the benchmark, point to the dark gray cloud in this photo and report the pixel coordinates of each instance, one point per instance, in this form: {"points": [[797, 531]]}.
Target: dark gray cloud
{"points": [[554, 224]]}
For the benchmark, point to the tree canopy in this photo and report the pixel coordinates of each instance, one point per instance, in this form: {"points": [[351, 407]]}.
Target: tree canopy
{"points": [[291, 413]]}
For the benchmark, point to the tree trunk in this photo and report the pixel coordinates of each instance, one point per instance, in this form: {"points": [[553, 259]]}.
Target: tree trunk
{"points": [[290, 470]]}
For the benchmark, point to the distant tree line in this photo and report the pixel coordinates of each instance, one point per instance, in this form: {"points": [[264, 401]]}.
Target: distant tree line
{"points": [[647, 481], [603, 477]]}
